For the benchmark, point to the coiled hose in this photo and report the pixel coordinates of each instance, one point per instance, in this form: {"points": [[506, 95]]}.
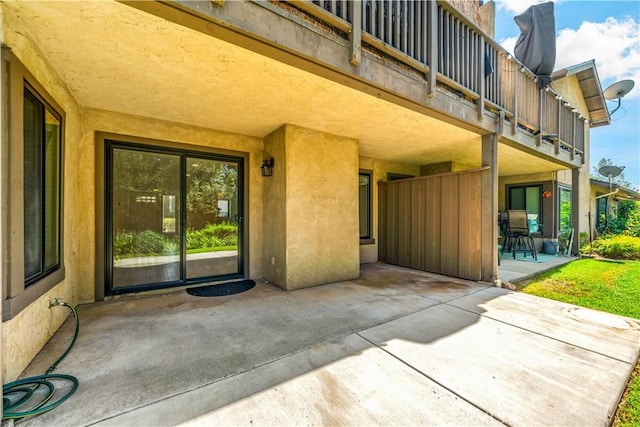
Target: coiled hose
{"points": [[33, 395]]}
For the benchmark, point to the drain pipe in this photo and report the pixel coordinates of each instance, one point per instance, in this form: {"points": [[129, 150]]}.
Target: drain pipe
{"points": [[607, 195]]}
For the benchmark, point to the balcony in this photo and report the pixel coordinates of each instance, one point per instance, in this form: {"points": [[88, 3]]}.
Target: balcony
{"points": [[444, 53], [455, 55]]}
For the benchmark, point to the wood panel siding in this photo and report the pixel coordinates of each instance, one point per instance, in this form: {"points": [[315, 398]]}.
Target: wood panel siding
{"points": [[435, 223]]}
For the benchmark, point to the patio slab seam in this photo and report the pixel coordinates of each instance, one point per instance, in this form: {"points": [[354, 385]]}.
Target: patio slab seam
{"points": [[488, 316], [266, 363], [461, 397], [481, 288]]}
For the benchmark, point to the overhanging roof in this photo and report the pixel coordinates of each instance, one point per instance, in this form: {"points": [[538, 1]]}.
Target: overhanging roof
{"points": [[605, 185], [587, 76]]}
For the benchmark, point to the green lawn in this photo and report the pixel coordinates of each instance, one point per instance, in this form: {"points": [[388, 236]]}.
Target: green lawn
{"points": [[606, 285]]}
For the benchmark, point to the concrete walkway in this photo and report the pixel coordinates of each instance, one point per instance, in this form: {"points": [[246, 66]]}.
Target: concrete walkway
{"points": [[395, 347]]}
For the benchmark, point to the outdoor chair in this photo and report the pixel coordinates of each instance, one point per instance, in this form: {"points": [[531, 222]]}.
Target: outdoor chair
{"points": [[518, 237]]}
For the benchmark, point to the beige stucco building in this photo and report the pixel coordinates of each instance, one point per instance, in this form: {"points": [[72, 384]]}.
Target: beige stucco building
{"points": [[132, 129]]}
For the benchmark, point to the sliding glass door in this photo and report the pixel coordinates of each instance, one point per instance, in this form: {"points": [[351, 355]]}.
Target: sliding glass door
{"points": [[173, 217]]}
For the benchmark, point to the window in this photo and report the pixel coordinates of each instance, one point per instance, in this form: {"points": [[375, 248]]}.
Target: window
{"points": [[564, 208], [35, 154], [41, 144], [526, 197], [364, 198], [601, 214]]}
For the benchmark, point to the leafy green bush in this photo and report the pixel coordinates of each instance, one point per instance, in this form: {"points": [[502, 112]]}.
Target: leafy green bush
{"points": [[619, 247], [123, 244], [626, 218], [212, 235], [128, 244], [148, 242]]}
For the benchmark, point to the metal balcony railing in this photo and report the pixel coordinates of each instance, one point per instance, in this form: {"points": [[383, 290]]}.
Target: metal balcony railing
{"points": [[451, 51]]}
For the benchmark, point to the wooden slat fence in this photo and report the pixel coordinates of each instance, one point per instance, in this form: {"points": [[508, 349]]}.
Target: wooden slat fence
{"points": [[434, 223]]}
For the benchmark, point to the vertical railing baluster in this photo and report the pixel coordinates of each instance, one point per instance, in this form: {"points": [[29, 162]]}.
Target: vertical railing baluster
{"points": [[481, 79], [412, 32], [516, 100], [405, 31], [558, 129], [432, 42], [380, 18], [355, 36], [440, 42]]}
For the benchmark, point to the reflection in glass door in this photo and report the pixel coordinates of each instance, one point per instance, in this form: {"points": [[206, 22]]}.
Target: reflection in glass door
{"points": [[212, 217], [145, 242], [173, 217]]}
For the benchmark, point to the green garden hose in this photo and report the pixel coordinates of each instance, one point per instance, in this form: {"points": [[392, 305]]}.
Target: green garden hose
{"points": [[33, 395]]}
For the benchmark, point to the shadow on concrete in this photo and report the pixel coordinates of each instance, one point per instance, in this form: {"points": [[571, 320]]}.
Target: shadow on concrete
{"points": [[396, 346]]}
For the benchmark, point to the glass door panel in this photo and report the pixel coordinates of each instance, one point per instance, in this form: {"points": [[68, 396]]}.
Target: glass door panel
{"points": [[145, 218], [212, 218]]}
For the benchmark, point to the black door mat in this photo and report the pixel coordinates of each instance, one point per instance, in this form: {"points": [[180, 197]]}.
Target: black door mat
{"points": [[222, 289]]}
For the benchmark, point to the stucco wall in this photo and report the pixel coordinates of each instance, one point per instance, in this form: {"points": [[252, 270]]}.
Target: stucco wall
{"points": [[321, 208], [569, 88], [275, 210], [25, 334], [380, 168]]}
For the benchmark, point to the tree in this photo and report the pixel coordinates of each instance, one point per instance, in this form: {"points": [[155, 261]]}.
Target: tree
{"points": [[618, 180]]}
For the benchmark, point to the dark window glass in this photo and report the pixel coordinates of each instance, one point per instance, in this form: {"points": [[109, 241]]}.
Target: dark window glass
{"points": [[41, 188], [526, 198], [364, 191], [564, 204], [601, 214]]}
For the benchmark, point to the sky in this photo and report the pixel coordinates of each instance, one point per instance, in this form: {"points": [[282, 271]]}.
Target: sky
{"points": [[608, 32]]}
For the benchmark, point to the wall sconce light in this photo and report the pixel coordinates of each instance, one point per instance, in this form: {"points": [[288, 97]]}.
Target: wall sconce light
{"points": [[546, 194], [267, 166], [566, 104], [558, 97], [574, 110]]}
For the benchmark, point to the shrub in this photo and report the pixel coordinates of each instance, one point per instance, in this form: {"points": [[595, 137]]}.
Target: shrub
{"points": [[123, 244], [127, 244], [620, 247], [212, 235], [148, 242], [626, 218]]}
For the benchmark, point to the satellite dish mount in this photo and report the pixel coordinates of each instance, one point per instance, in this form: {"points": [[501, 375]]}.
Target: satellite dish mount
{"points": [[611, 172], [618, 90]]}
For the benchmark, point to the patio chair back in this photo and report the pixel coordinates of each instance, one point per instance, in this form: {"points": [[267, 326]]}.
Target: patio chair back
{"points": [[518, 224]]}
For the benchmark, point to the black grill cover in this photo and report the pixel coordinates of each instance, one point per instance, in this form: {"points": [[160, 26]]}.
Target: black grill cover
{"points": [[536, 46]]}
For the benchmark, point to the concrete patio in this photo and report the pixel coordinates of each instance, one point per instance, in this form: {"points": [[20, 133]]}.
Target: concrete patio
{"points": [[394, 347]]}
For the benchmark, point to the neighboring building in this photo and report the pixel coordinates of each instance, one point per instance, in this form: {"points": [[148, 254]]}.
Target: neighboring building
{"points": [[137, 140], [604, 198]]}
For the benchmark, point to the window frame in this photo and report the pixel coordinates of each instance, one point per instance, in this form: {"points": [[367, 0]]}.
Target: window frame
{"points": [[525, 186], [562, 188], [17, 295], [368, 239]]}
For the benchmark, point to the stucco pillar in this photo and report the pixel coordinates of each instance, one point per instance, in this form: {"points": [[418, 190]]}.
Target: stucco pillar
{"points": [[575, 209], [3, 210], [311, 209], [490, 208]]}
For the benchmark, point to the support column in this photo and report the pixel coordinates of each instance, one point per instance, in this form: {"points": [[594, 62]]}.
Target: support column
{"points": [[311, 221], [575, 210], [489, 228]]}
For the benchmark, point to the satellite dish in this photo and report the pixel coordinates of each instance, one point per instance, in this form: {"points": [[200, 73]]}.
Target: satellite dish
{"points": [[617, 91], [611, 172]]}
